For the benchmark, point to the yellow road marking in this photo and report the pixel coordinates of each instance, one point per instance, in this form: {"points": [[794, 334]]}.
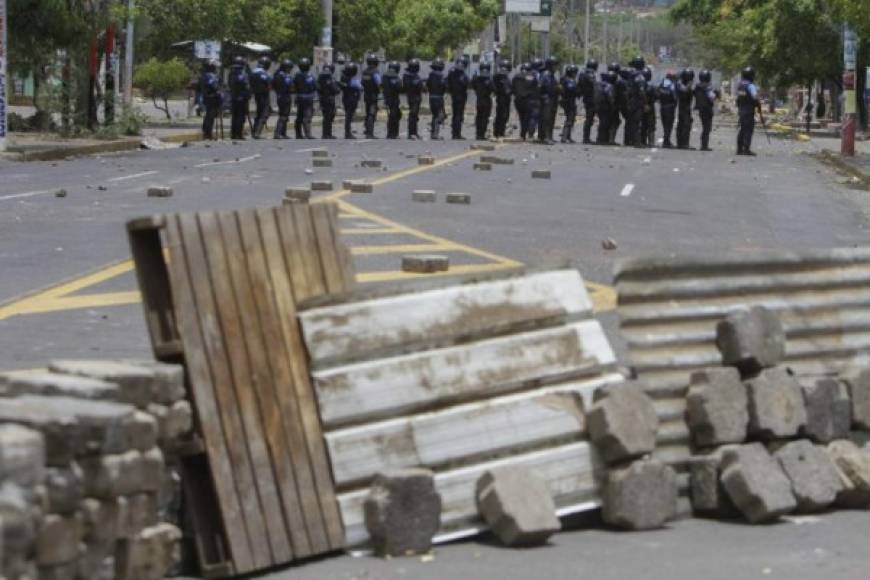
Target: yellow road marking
{"points": [[399, 249], [363, 231], [603, 297]]}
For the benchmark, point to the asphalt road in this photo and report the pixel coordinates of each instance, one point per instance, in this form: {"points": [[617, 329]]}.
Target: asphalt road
{"points": [[59, 299]]}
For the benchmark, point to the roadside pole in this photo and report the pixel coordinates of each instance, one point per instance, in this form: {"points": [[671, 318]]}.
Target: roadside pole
{"points": [[323, 53], [850, 119], [587, 32], [3, 75], [128, 55]]}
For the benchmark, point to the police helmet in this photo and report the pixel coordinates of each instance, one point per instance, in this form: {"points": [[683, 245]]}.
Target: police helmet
{"points": [[748, 74], [239, 61], [414, 65], [264, 62], [537, 64], [704, 76], [437, 64], [505, 65], [647, 73], [687, 75], [305, 64], [466, 60], [372, 60], [287, 65], [638, 63], [327, 70], [485, 67], [592, 64], [552, 62], [350, 69], [211, 66], [460, 63], [525, 67], [571, 70], [394, 66], [614, 67]]}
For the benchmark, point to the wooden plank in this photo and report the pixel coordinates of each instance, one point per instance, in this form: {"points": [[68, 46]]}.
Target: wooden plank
{"points": [[203, 395], [295, 394], [289, 455], [200, 498], [465, 433], [249, 375], [400, 385], [443, 316], [311, 283], [227, 403], [321, 216], [573, 473]]}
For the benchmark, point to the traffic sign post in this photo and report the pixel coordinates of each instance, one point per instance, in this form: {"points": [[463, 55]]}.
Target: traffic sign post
{"points": [[3, 55]]}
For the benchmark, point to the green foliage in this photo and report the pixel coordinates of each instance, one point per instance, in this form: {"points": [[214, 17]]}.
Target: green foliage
{"points": [[160, 80], [131, 121]]}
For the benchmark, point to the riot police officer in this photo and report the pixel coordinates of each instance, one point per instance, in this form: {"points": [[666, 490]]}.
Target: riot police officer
{"points": [[635, 101], [282, 83], [392, 88], [648, 125], [533, 101], [210, 89], [705, 99], [667, 97], [588, 85], [621, 98], [261, 83], [606, 107], [371, 84], [747, 103], [685, 89], [327, 90], [240, 94], [569, 101], [351, 89], [520, 90], [549, 89], [457, 86], [412, 85], [484, 87], [436, 85], [305, 86], [502, 87]]}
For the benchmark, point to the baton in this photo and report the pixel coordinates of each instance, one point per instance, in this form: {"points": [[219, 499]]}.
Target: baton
{"points": [[763, 122]]}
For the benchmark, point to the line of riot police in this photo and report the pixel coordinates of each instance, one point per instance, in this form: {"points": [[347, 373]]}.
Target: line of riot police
{"points": [[618, 96]]}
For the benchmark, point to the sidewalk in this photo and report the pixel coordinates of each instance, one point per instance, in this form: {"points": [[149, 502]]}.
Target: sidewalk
{"points": [[827, 150]]}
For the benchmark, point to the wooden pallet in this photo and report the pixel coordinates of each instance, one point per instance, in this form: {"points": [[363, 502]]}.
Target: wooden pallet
{"points": [[220, 292]]}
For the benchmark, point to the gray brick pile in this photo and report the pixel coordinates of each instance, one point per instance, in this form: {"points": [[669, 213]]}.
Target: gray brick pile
{"points": [[89, 487]]}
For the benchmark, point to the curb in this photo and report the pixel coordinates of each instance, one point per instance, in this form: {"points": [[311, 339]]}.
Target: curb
{"points": [[132, 144], [834, 160]]}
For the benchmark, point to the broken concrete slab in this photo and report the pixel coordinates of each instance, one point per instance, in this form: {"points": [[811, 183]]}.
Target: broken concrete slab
{"points": [[425, 264], [48, 383], [173, 422], [58, 539], [138, 431], [756, 483], [160, 192], [22, 455], [858, 381], [495, 160], [483, 166], [110, 476], [321, 186], [135, 513], [297, 195], [815, 482], [65, 488], [150, 555], [541, 174], [424, 196], [751, 340], [717, 408], [168, 384], [642, 496], [403, 512], [622, 422], [829, 409], [361, 187], [100, 519], [776, 405], [517, 506], [853, 466], [136, 383], [458, 198]]}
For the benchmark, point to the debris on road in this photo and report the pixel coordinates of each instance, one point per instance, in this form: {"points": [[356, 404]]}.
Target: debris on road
{"points": [[60, 193], [540, 174], [482, 147], [609, 244], [622, 422], [424, 196], [373, 163], [776, 405], [751, 340], [483, 166], [321, 186], [458, 198], [160, 192], [813, 475], [319, 153], [297, 195], [425, 264], [517, 506], [425, 160], [641, 496], [403, 512], [756, 483], [361, 187], [717, 407], [495, 160], [321, 162]]}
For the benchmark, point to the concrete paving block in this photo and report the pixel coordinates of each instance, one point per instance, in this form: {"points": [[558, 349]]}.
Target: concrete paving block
{"points": [[173, 422], [100, 519], [372, 163], [58, 539], [776, 405], [136, 382], [60, 193], [17, 522], [495, 160], [458, 198], [22, 455], [751, 340], [622, 422], [150, 555], [517, 506], [403, 512], [815, 481], [65, 487], [708, 496], [541, 174], [319, 153], [858, 381], [109, 476], [425, 264], [97, 562], [160, 192], [425, 160], [482, 147], [169, 378], [483, 166], [297, 195], [68, 571], [424, 196], [853, 466], [717, 407], [321, 186], [135, 513], [642, 496], [756, 483], [829, 409], [361, 187], [151, 470], [47, 383], [321, 162]]}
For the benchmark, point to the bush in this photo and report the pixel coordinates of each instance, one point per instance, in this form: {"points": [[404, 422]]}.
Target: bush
{"points": [[160, 80]]}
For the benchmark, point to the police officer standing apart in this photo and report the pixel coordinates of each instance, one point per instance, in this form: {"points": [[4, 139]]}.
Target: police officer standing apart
{"points": [[520, 88], [667, 96], [412, 85], [351, 89], [436, 85], [305, 86], [240, 94], [569, 101], [283, 85], [747, 103], [705, 98], [371, 84], [648, 126], [587, 85], [327, 90], [210, 87], [482, 84], [457, 86], [549, 86], [685, 89], [393, 98], [261, 84], [502, 87]]}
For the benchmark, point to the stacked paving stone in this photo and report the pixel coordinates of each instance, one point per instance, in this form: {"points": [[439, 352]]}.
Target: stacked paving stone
{"points": [[769, 443], [89, 488]]}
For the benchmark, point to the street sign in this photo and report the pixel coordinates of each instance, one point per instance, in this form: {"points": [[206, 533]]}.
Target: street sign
{"points": [[3, 100], [207, 49], [537, 23], [523, 6], [850, 49]]}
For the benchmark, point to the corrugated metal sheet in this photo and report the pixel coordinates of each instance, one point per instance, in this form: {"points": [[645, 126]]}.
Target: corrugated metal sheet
{"points": [[669, 309]]}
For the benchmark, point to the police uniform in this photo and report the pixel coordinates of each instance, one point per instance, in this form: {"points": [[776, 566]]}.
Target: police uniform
{"points": [[484, 87], [327, 90]]}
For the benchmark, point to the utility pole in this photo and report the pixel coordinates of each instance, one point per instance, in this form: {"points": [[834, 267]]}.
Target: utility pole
{"points": [[587, 32], [3, 100], [604, 48], [323, 53], [128, 55], [850, 119]]}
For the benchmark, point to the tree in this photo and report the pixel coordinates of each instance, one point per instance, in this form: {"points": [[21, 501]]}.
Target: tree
{"points": [[160, 80]]}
